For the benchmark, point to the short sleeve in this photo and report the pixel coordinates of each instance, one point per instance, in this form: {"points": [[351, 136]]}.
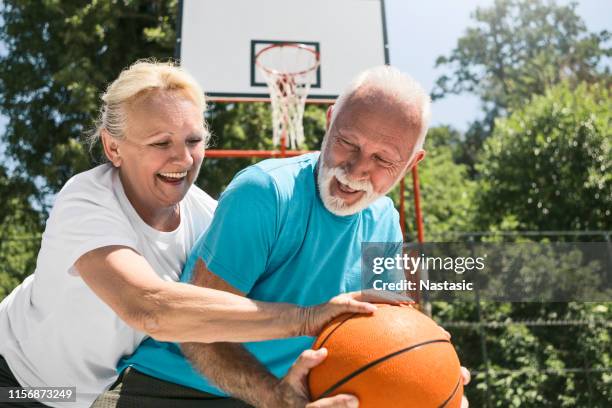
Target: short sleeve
{"points": [[238, 243], [80, 223]]}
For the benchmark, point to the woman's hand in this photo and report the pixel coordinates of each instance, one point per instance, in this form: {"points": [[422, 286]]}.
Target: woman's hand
{"points": [[316, 317]]}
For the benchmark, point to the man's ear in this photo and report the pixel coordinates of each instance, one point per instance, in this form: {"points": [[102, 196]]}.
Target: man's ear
{"points": [[420, 155], [111, 148], [330, 112]]}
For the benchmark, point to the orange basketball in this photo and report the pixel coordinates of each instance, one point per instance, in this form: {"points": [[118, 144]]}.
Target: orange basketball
{"points": [[396, 357]]}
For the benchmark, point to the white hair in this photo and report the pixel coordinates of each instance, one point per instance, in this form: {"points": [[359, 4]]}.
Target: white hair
{"points": [[141, 78], [396, 85]]}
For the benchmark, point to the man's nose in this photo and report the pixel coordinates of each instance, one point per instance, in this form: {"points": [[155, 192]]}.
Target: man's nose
{"points": [[358, 167]]}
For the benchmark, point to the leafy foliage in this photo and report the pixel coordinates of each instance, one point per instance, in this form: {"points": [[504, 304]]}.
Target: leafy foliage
{"points": [[549, 165], [446, 190], [18, 221], [552, 153], [518, 48], [60, 57]]}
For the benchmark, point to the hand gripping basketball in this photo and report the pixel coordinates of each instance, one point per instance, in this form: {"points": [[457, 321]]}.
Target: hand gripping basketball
{"points": [[395, 357], [294, 385]]}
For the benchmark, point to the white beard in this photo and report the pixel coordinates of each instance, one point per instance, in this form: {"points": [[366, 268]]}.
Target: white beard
{"points": [[336, 205]]}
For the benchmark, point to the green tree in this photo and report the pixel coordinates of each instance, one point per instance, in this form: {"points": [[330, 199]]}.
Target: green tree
{"points": [[446, 190], [517, 48], [60, 57], [545, 167], [549, 165], [18, 221]]}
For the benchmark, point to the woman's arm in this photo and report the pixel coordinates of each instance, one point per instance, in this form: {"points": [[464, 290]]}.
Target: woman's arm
{"points": [[172, 311]]}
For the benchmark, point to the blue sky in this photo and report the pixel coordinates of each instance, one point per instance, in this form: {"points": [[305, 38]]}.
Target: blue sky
{"points": [[420, 31]]}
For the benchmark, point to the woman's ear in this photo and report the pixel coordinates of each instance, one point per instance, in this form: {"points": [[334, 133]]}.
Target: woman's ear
{"points": [[111, 148]]}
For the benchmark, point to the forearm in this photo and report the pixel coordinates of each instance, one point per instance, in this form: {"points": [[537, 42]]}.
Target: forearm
{"points": [[233, 369], [173, 311], [187, 313]]}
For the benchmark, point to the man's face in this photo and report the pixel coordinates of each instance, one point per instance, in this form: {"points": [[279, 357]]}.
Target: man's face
{"points": [[368, 148]]}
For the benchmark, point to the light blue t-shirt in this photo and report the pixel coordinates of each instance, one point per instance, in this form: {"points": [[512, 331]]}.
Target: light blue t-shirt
{"points": [[272, 238]]}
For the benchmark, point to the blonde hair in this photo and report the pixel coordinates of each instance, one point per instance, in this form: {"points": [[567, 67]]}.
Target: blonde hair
{"points": [[139, 79], [395, 84]]}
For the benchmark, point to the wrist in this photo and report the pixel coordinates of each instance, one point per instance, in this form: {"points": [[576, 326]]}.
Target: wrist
{"points": [[284, 396], [295, 320], [280, 394]]}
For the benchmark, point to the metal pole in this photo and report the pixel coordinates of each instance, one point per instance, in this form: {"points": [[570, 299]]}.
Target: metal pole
{"points": [[402, 207], [218, 153], [483, 338], [417, 205], [283, 142]]}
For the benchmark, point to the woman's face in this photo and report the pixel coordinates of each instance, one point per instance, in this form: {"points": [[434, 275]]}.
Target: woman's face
{"points": [[161, 154]]}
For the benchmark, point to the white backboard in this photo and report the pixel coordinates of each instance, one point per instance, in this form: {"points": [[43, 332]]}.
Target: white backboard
{"points": [[217, 42]]}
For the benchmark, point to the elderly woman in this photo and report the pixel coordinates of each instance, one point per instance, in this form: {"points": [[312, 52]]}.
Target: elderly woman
{"points": [[114, 246]]}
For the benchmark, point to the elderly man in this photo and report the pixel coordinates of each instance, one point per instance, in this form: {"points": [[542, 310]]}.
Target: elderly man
{"points": [[290, 230]]}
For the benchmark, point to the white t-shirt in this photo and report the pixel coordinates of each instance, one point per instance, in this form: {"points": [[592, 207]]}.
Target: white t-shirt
{"points": [[54, 331]]}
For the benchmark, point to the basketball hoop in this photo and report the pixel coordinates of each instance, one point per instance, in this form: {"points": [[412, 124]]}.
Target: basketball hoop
{"points": [[289, 70]]}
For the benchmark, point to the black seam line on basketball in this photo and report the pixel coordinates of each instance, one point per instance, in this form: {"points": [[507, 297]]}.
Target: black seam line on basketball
{"points": [[336, 328], [445, 403], [373, 363]]}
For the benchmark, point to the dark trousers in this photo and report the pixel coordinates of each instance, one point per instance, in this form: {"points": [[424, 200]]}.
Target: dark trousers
{"points": [[7, 379], [134, 389]]}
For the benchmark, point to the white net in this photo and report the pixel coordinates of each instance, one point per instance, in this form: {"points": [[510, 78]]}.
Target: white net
{"points": [[289, 70]]}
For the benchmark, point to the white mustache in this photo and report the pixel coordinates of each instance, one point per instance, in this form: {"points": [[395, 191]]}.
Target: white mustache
{"points": [[340, 175]]}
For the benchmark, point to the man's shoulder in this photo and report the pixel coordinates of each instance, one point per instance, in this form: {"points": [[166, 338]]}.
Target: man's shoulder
{"points": [[281, 175], [381, 209], [383, 205], [290, 164], [283, 170], [381, 219], [199, 198]]}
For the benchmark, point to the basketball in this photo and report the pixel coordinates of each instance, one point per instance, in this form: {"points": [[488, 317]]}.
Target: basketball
{"points": [[396, 357]]}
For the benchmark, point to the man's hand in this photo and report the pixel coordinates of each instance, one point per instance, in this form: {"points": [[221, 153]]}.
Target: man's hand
{"points": [[465, 374], [316, 317], [466, 380], [294, 385]]}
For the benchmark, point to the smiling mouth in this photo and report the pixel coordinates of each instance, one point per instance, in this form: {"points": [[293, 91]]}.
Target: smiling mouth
{"points": [[346, 189], [172, 178]]}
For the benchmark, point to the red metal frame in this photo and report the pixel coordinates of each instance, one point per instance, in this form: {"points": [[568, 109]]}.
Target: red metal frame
{"points": [[238, 99], [417, 204], [255, 153]]}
